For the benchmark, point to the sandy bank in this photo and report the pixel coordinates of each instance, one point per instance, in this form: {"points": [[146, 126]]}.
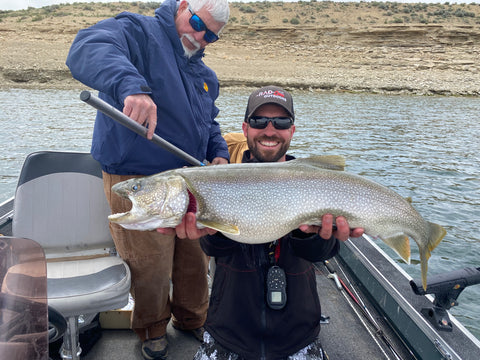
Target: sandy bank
{"points": [[333, 47]]}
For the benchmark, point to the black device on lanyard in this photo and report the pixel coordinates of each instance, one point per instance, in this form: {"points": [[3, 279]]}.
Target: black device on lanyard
{"points": [[276, 288], [276, 282]]}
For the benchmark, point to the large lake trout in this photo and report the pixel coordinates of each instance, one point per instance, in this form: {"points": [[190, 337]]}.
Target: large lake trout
{"points": [[259, 203]]}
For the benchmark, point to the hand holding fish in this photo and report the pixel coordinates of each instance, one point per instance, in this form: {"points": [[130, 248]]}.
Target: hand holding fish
{"points": [[142, 109], [187, 229], [342, 233]]}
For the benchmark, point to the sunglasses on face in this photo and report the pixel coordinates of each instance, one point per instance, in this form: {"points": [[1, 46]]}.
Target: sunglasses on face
{"points": [[261, 122], [198, 25]]}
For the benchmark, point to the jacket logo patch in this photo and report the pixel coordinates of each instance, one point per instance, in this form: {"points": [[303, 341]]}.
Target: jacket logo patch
{"points": [[205, 86]]}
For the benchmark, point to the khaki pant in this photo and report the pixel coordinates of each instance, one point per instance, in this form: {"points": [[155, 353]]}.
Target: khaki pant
{"points": [[155, 259]]}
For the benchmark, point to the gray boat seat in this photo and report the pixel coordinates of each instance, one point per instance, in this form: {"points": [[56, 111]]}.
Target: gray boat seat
{"points": [[60, 203]]}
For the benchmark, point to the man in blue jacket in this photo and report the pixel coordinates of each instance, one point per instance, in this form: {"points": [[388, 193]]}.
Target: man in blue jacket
{"points": [[151, 68]]}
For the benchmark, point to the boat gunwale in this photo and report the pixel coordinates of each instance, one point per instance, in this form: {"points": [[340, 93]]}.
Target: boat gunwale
{"points": [[363, 257]]}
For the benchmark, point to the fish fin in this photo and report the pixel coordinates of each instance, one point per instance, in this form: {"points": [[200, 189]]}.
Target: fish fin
{"points": [[401, 244], [437, 233], [424, 256], [331, 162], [224, 228]]}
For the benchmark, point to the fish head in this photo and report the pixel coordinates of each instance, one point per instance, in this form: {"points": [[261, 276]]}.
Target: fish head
{"points": [[158, 201]]}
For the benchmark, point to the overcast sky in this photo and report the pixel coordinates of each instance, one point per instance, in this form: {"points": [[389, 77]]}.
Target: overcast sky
{"points": [[24, 4]]}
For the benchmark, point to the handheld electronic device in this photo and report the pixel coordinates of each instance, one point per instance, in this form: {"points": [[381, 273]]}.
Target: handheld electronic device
{"points": [[276, 288]]}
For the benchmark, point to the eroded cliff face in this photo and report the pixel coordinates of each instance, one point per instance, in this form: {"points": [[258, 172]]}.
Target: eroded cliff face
{"points": [[419, 59], [359, 51]]}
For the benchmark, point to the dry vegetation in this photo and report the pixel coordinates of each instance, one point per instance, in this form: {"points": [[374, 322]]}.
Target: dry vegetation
{"points": [[355, 46], [311, 13]]}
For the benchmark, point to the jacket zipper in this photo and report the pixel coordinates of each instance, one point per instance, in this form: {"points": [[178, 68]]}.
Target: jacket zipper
{"points": [[264, 319]]}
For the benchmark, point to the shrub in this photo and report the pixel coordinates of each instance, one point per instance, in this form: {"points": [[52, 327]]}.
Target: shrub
{"points": [[61, 13], [247, 9], [294, 21], [463, 13]]}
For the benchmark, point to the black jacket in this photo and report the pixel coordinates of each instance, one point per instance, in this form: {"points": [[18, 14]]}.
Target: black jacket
{"points": [[239, 318]]}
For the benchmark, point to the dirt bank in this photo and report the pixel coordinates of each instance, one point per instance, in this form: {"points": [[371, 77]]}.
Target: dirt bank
{"points": [[362, 47]]}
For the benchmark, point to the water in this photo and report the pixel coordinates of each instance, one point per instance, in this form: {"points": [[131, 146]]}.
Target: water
{"points": [[426, 148]]}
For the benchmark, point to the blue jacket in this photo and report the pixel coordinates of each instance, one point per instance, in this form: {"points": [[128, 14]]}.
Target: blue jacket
{"points": [[136, 54]]}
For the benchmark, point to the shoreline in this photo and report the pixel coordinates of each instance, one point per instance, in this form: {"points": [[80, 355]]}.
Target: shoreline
{"points": [[336, 47]]}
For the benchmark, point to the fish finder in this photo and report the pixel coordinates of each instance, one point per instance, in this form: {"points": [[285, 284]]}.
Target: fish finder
{"points": [[276, 288]]}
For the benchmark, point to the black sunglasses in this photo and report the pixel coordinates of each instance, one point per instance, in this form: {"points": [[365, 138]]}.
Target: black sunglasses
{"points": [[261, 122], [198, 25]]}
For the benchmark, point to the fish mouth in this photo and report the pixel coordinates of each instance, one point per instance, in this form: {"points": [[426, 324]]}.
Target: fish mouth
{"points": [[135, 214], [118, 217], [131, 222]]}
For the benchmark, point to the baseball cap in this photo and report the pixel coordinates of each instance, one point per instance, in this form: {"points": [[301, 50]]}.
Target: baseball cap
{"points": [[269, 95]]}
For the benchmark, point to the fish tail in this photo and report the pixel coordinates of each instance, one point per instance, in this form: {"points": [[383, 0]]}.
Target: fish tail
{"points": [[437, 233]]}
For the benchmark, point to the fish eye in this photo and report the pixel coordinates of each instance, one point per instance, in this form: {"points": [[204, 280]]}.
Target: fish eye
{"points": [[136, 187]]}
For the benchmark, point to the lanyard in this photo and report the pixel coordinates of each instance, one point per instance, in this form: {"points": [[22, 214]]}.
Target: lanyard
{"points": [[274, 251]]}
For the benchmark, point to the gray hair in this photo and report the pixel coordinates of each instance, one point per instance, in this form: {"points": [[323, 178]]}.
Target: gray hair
{"points": [[219, 9]]}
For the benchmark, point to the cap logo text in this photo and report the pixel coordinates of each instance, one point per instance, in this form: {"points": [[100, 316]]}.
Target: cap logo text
{"points": [[271, 93]]}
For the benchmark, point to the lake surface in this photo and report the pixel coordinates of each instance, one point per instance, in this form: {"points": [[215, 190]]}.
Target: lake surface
{"points": [[426, 148]]}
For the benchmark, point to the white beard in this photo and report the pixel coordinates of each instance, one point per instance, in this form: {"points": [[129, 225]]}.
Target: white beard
{"points": [[189, 53]]}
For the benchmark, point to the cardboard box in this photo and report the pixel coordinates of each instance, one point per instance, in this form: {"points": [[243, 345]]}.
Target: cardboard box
{"points": [[117, 319]]}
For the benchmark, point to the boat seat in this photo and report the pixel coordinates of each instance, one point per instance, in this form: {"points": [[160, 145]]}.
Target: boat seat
{"points": [[60, 203]]}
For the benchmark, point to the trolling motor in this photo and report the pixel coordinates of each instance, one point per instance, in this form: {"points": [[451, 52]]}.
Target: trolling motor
{"points": [[446, 288]]}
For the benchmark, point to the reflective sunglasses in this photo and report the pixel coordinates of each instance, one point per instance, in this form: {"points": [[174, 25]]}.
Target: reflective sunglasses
{"points": [[198, 25], [261, 122]]}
